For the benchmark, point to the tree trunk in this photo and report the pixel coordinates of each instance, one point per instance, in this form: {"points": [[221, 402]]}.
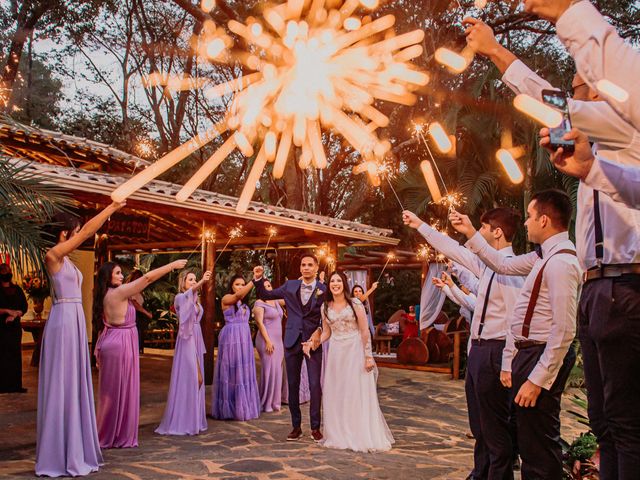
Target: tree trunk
{"points": [[24, 30]]}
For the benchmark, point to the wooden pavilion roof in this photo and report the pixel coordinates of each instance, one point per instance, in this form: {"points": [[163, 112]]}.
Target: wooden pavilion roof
{"points": [[55, 148], [174, 226], [92, 170]]}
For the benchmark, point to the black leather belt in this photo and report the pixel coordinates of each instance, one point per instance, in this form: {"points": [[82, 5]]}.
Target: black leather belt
{"points": [[523, 344], [481, 341], [611, 271]]}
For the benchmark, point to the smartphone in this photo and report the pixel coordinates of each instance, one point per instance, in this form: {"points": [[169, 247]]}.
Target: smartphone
{"points": [[558, 100]]}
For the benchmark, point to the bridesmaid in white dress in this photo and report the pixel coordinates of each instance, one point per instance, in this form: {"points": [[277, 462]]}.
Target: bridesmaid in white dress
{"points": [[352, 416]]}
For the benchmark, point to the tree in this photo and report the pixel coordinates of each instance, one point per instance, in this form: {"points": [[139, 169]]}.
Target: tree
{"points": [[37, 94], [49, 17]]}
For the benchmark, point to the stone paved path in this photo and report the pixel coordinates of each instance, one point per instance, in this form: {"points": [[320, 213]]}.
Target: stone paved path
{"points": [[425, 411]]}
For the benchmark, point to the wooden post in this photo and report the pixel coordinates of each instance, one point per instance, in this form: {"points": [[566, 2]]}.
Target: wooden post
{"points": [[209, 330], [332, 252]]}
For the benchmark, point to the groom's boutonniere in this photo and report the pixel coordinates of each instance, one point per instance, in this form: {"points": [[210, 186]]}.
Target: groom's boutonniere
{"points": [[319, 292]]}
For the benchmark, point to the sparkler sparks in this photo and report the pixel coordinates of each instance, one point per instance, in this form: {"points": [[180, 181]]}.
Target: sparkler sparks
{"points": [[390, 256], [314, 66], [423, 252], [272, 231]]}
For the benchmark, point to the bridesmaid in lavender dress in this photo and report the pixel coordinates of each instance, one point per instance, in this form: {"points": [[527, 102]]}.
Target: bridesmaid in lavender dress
{"points": [[117, 353], [67, 435], [186, 412], [235, 389], [268, 315]]}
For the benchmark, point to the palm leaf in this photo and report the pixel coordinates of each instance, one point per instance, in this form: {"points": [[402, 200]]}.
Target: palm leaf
{"points": [[26, 204]]}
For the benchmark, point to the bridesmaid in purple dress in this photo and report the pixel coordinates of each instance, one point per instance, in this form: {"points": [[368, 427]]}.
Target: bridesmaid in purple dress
{"points": [[186, 412], [117, 353], [235, 389], [268, 315], [67, 435]]}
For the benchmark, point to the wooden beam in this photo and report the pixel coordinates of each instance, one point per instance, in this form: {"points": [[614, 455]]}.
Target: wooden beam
{"points": [[209, 308]]}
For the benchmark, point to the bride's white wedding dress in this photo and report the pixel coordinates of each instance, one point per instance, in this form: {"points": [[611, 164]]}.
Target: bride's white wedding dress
{"points": [[352, 416]]}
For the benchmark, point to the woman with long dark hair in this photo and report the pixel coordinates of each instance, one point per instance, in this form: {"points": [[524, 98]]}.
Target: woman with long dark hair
{"points": [[67, 435], [356, 424], [117, 353], [235, 388], [186, 412], [358, 292]]}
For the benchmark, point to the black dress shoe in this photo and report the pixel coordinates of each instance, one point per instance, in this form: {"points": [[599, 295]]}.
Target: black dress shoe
{"points": [[296, 434]]}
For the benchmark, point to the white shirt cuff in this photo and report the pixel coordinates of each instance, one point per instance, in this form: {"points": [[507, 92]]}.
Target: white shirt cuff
{"points": [[475, 243]]}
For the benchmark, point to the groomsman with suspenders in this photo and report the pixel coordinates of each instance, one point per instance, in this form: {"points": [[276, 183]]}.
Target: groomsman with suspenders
{"points": [[607, 221], [543, 325], [487, 398]]}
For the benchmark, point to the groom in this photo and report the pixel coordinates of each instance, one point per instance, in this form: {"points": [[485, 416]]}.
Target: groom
{"points": [[303, 299]]}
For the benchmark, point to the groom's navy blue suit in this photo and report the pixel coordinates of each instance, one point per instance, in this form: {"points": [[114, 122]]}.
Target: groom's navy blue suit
{"points": [[302, 321]]}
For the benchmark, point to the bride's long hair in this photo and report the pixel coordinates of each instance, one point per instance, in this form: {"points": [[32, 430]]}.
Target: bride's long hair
{"points": [[345, 289]]}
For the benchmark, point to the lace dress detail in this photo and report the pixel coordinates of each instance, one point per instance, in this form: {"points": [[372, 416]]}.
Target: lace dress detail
{"points": [[357, 424], [344, 323]]}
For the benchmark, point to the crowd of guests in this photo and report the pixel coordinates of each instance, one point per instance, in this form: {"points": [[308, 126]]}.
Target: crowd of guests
{"points": [[71, 436]]}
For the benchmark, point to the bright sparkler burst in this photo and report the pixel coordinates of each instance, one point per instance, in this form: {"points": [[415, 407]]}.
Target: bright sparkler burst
{"points": [[314, 65]]}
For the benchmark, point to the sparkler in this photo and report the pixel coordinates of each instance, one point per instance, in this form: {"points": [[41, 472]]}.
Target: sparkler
{"points": [[423, 252], [272, 231], [375, 172], [235, 232], [390, 256], [144, 148], [426, 167], [314, 66]]}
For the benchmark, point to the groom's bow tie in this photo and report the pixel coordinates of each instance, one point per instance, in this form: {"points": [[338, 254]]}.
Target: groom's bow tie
{"points": [[538, 249], [307, 287]]}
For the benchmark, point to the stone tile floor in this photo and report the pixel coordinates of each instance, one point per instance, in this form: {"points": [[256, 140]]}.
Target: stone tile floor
{"points": [[425, 411]]}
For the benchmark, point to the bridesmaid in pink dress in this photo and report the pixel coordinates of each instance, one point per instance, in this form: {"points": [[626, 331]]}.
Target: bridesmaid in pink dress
{"points": [[117, 353], [67, 435]]}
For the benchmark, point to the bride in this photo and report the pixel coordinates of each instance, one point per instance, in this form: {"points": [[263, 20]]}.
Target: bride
{"points": [[352, 416]]}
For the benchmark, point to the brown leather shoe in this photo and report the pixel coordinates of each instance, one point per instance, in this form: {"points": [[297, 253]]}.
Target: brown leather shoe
{"points": [[296, 434], [316, 435]]}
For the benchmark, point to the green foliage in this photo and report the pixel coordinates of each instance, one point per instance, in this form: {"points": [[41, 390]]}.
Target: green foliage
{"points": [[404, 292], [26, 205], [36, 94]]}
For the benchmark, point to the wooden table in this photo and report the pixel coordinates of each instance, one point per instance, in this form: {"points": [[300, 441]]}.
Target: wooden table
{"points": [[35, 328]]}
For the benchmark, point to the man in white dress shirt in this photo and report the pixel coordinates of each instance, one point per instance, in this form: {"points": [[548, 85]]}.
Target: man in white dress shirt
{"points": [[542, 326], [599, 52], [608, 247], [488, 396], [618, 181]]}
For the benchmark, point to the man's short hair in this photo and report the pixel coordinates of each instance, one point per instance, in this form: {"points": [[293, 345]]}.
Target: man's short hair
{"points": [[309, 255], [556, 205], [507, 219]]}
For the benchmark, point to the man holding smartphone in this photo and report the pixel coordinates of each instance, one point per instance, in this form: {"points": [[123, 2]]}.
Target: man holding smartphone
{"points": [[608, 249]]}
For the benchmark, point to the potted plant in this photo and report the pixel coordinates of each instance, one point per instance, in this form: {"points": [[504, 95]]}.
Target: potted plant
{"points": [[37, 288]]}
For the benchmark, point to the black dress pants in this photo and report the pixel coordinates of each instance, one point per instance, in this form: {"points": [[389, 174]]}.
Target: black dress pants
{"points": [[609, 332], [539, 426], [488, 406]]}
